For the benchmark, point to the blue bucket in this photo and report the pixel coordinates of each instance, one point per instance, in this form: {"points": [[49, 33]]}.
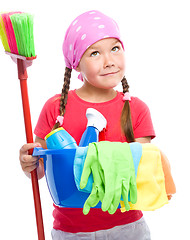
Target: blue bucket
{"points": [[58, 166]]}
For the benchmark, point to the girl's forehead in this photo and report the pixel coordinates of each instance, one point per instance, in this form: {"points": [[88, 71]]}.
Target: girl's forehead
{"points": [[102, 42]]}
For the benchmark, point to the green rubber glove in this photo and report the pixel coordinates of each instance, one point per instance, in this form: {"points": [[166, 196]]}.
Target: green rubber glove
{"points": [[92, 165], [116, 161], [115, 175]]}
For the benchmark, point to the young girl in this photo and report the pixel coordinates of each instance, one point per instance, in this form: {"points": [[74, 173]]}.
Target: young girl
{"points": [[93, 47]]}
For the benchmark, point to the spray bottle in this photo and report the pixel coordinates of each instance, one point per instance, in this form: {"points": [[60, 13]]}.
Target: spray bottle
{"points": [[96, 123]]}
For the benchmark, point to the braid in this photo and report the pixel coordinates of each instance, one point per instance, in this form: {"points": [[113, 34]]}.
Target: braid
{"points": [[126, 122], [125, 85], [65, 90], [64, 94]]}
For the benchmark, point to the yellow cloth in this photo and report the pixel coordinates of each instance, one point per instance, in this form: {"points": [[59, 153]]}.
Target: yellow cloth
{"points": [[151, 191]]}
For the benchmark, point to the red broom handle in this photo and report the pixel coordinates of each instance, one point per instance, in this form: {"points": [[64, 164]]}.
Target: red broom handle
{"points": [[22, 75]]}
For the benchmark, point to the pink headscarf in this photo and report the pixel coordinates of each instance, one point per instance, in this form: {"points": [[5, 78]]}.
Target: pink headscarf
{"points": [[84, 31]]}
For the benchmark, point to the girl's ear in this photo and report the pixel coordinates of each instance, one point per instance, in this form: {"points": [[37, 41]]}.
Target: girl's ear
{"points": [[78, 68]]}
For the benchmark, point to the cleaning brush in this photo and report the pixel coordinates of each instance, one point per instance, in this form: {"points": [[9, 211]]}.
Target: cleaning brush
{"points": [[16, 33]]}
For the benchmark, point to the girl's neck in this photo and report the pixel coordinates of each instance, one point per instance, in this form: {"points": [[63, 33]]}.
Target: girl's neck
{"points": [[95, 95]]}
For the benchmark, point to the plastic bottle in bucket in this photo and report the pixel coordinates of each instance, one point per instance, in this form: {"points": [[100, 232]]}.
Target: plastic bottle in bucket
{"points": [[60, 139], [96, 123]]}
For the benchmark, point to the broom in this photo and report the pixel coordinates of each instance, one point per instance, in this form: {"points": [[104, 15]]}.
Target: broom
{"points": [[16, 33]]}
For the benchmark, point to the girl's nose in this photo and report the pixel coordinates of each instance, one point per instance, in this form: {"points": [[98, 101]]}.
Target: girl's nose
{"points": [[108, 61]]}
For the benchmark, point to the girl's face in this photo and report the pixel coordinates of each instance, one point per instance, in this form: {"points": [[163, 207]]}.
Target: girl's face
{"points": [[103, 64]]}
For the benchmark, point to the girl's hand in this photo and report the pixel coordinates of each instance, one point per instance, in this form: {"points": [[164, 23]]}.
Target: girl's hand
{"points": [[28, 162]]}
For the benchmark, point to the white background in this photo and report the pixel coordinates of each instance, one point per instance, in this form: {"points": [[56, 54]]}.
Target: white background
{"points": [[157, 42]]}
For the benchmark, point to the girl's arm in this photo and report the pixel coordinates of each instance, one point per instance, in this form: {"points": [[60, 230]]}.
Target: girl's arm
{"points": [[143, 140], [41, 141]]}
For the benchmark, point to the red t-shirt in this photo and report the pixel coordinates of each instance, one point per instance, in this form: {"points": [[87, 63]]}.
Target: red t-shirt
{"points": [[72, 219]]}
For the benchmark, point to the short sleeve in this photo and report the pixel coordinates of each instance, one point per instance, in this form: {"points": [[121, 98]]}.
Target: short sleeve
{"points": [[141, 119], [47, 117]]}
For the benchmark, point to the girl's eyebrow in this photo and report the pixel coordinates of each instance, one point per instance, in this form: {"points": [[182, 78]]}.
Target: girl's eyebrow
{"points": [[93, 47], [96, 47], [116, 41]]}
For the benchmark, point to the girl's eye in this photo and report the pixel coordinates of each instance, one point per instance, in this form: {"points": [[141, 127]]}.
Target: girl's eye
{"points": [[115, 49], [94, 54]]}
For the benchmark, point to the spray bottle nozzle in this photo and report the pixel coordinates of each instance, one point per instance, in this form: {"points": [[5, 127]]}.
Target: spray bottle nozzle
{"points": [[95, 119]]}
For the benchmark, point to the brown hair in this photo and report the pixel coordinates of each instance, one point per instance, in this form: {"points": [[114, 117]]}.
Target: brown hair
{"points": [[126, 122], [64, 94]]}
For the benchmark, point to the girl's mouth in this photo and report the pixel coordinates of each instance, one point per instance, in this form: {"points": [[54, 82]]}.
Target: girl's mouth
{"points": [[109, 74]]}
